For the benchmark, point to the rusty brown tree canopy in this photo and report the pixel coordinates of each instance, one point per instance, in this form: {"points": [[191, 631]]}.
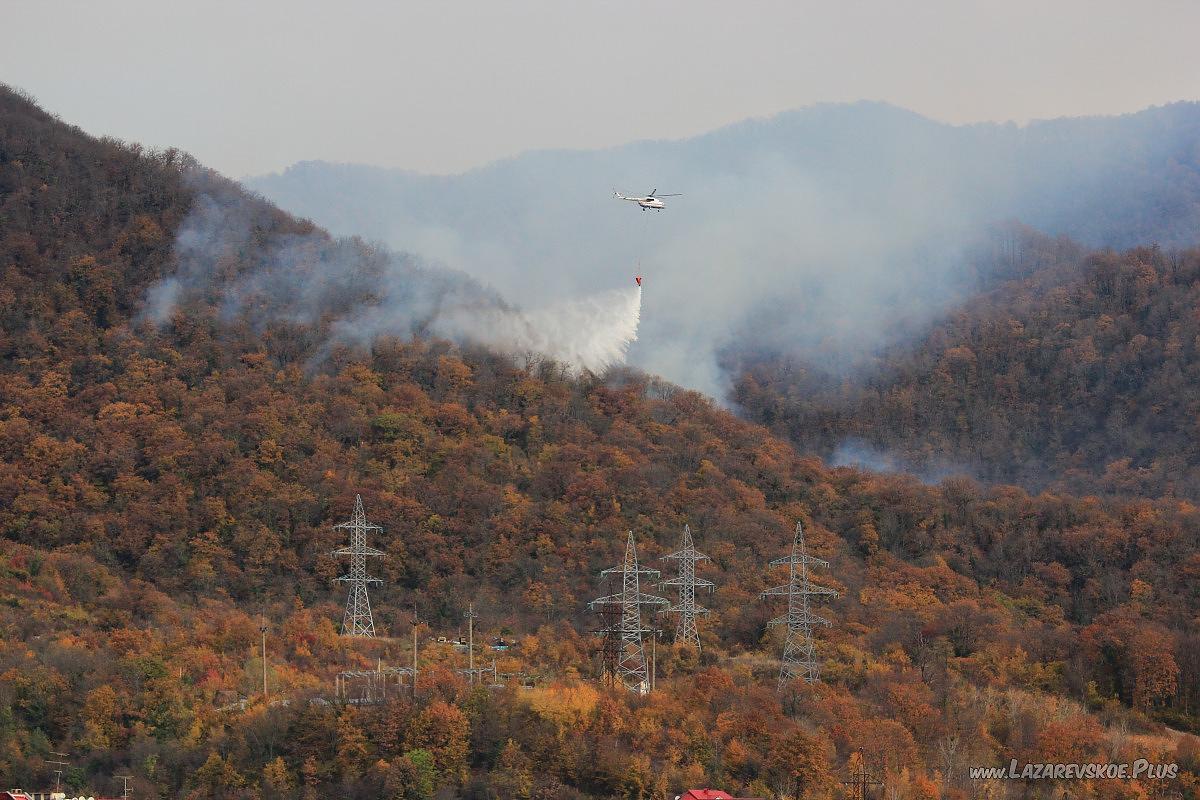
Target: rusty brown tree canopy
{"points": [[160, 486]]}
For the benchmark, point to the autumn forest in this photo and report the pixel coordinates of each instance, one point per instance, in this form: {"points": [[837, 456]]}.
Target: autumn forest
{"points": [[168, 486]]}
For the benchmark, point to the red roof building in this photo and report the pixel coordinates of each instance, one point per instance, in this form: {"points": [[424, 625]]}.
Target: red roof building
{"points": [[709, 794]]}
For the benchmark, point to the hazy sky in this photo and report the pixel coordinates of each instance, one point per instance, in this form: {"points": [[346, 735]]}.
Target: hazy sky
{"points": [[250, 87]]}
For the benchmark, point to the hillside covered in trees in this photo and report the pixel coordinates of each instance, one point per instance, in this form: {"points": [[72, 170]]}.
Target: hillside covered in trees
{"points": [[1079, 371], [163, 480]]}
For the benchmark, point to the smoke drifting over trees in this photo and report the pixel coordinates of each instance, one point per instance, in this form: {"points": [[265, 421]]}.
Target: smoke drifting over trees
{"points": [[251, 261], [820, 232], [1082, 374]]}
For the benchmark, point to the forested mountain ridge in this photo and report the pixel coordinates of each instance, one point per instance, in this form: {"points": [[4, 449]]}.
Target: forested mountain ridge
{"points": [[1081, 372], [88, 215], [160, 484]]}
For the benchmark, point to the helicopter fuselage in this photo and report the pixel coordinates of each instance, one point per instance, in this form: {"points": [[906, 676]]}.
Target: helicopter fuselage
{"points": [[652, 200]]}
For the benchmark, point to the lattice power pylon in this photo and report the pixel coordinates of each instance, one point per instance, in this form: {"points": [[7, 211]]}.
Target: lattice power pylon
{"points": [[687, 583], [358, 620], [799, 657], [609, 631], [631, 669]]}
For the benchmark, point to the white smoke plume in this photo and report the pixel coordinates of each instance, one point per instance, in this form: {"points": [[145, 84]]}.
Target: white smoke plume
{"points": [[825, 234], [592, 333], [856, 453], [252, 261]]}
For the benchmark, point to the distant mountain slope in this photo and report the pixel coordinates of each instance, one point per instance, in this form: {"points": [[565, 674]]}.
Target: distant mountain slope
{"points": [[1084, 374], [856, 218], [1104, 181]]}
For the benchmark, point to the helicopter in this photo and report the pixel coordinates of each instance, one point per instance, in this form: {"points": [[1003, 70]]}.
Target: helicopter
{"points": [[651, 200]]}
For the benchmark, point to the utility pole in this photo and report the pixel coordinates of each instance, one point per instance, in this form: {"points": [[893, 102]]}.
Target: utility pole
{"points": [[263, 629], [58, 772], [654, 658], [125, 779], [687, 583], [471, 642], [471, 671], [415, 622], [358, 620], [799, 656], [631, 661]]}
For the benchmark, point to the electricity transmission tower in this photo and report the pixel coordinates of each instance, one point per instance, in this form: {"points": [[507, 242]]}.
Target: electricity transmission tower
{"points": [[687, 582], [358, 620], [799, 658], [610, 635], [631, 656]]}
